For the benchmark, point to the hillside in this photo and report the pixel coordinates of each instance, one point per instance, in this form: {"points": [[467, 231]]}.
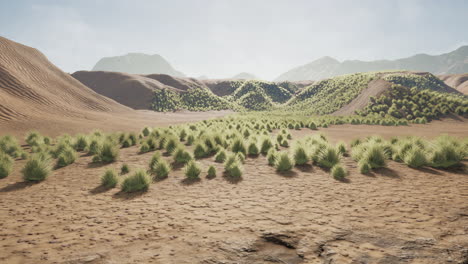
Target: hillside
{"points": [[449, 63], [137, 63], [456, 81]]}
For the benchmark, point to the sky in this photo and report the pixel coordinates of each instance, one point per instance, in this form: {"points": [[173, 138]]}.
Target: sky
{"points": [[221, 38]]}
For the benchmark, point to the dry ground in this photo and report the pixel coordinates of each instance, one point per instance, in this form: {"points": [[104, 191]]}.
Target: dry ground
{"points": [[395, 215]]}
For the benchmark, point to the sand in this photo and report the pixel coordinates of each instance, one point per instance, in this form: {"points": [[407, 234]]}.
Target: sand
{"points": [[394, 215]]}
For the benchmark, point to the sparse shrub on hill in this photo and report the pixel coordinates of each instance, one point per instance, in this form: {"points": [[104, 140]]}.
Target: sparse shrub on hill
{"points": [[9, 145], [108, 153], [162, 169], [139, 181], [37, 168], [109, 179], [66, 157], [6, 165]]}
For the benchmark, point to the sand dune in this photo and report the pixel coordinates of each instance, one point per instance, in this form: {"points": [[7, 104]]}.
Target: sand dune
{"points": [[35, 94]]}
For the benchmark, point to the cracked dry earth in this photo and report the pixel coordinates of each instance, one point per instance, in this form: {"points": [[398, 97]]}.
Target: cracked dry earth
{"points": [[394, 215]]}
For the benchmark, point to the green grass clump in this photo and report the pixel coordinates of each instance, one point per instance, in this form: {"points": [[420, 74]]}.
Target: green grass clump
{"points": [[415, 158], [328, 157], [181, 156], [374, 152], [144, 148], [238, 146], [200, 151], [81, 142], [235, 171], [171, 146], [139, 181], [447, 152], [220, 157], [341, 147], [252, 149], [267, 144], [211, 172], [192, 170], [108, 153], [94, 147], [9, 145], [6, 165], [37, 168], [155, 159], [34, 138], [271, 157], [162, 169], [300, 155], [66, 157], [364, 167], [284, 162], [338, 172], [124, 169], [109, 179]]}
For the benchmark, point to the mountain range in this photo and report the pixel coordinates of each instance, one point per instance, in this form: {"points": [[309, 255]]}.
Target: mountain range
{"points": [[449, 63]]}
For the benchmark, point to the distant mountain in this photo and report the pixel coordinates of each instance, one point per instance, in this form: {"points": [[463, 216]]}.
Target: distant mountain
{"points": [[244, 76], [137, 63], [326, 67]]}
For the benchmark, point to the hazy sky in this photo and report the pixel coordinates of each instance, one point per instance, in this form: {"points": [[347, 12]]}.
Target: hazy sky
{"points": [[220, 38]]}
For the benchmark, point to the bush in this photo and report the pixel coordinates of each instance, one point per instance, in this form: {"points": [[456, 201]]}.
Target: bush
{"points": [[341, 148], [238, 146], [81, 142], [162, 169], [94, 147], [9, 145], [267, 144], [33, 138], [253, 149], [124, 169], [181, 156], [144, 148], [445, 156], [284, 162], [415, 158], [109, 179], [364, 167], [328, 157], [6, 165], [171, 146], [200, 151], [211, 172], [271, 157], [300, 156], [192, 170], [338, 172], [108, 153], [66, 157], [235, 171], [220, 156], [37, 168], [155, 159], [139, 181]]}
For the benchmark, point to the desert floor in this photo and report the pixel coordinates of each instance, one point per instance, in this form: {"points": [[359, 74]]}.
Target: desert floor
{"points": [[395, 215]]}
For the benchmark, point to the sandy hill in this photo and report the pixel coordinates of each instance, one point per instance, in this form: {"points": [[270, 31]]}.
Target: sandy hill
{"points": [[35, 94], [326, 67], [456, 81], [137, 63]]}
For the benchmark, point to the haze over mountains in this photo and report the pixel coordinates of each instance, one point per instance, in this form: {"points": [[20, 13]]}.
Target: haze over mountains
{"points": [[449, 63], [137, 63]]}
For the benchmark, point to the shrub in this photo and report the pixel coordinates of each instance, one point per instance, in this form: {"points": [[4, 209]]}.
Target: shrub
{"points": [[124, 169], [231, 159], [190, 140], [146, 131], [375, 156], [445, 156], [94, 147], [211, 172], [144, 148], [109, 179], [338, 172], [33, 138], [328, 157], [238, 146], [364, 167], [313, 126], [235, 171], [300, 156], [267, 144], [9, 145], [283, 162], [162, 169], [6, 165], [220, 156], [253, 149], [66, 157], [200, 151], [271, 157], [415, 158], [284, 143], [155, 159], [341, 148], [108, 153], [139, 181], [171, 145], [241, 157], [181, 156], [37, 168], [192, 170], [81, 142]]}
